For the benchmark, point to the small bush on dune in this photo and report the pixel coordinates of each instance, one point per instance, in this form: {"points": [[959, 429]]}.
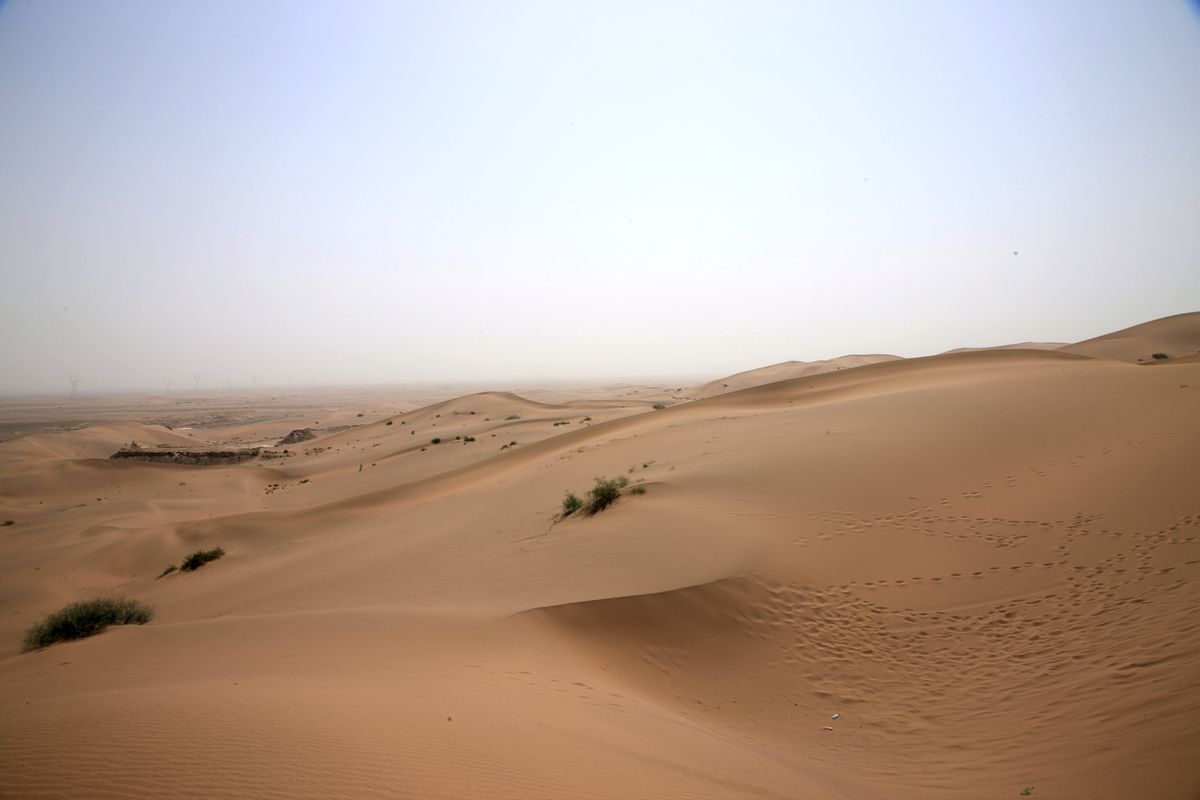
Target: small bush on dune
{"points": [[1160, 356], [199, 558], [167, 571], [659, 406], [639, 489], [511, 416], [86, 618], [602, 495], [570, 504]]}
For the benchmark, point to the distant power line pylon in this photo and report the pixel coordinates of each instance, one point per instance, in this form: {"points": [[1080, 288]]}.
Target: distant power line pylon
{"points": [[74, 385]]}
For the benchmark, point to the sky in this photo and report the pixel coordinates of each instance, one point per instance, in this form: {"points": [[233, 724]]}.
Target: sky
{"points": [[220, 193]]}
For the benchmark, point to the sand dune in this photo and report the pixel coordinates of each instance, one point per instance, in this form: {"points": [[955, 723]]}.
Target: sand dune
{"points": [[1177, 337], [1015, 346], [983, 562], [782, 372]]}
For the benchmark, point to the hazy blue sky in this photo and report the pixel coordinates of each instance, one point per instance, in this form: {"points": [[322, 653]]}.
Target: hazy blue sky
{"points": [[431, 191]]}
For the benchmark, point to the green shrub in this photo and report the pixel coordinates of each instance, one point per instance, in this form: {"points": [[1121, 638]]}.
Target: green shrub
{"points": [[1160, 356], [639, 489], [659, 406], [167, 571], [512, 416], [570, 504], [199, 558], [602, 495], [622, 482], [86, 618], [436, 440]]}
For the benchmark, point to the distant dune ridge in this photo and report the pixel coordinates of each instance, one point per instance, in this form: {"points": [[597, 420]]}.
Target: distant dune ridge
{"points": [[783, 372], [970, 575]]}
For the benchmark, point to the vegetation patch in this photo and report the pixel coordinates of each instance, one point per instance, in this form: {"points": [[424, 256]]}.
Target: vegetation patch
{"points": [[86, 618], [1160, 356], [199, 558], [602, 495], [167, 571], [570, 504]]}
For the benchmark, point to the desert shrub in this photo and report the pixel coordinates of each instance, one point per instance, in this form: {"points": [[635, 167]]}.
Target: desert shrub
{"points": [[389, 422], [436, 440], [570, 504], [1160, 356], [8, 522], [622, 482], [167, 571], [602, 495], [639, 489], [512, 416], [199, 558], [86, 618], [659, 406], [359, 414], [468, 439]]}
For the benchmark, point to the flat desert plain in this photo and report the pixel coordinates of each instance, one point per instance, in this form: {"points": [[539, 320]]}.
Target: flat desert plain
{"points": [[970, 575]]}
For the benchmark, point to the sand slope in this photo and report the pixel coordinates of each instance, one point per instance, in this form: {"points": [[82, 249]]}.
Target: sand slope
{"points": [[1177, 336], [984, 562]]}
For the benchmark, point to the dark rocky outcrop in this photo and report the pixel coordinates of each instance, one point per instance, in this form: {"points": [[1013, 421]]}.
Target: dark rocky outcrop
{"points": [[297, 436], [195, 458]]}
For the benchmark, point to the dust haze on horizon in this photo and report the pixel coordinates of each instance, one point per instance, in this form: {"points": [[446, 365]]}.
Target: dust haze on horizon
{"points": [[219, 193]]}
